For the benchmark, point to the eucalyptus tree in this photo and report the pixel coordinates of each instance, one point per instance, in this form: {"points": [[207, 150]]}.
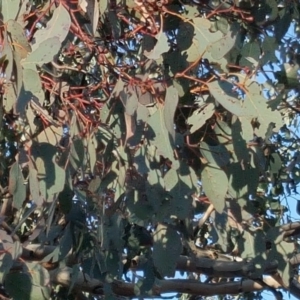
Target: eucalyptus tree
{"points": [[145, 139]]}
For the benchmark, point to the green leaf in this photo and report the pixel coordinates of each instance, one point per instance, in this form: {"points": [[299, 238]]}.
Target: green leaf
{"points": [[40, 276], [288, 75], [221, 47], [114, 23], [92, 12], [129, 99], [171, 102], [252, 50], [51, 135], [282, 25], [282, 253], [32, 84], [159, 135], [252, 246], [239, 137], [166, 250], [18, 73], [7, 52], [18, 37], [55, 33], [10, 9], [217, 155], [16, 185], [43, 54], [34, 187], [160, 47], [275, 164], [203, 36], [268, 46], [77, 152], [254, 106], [6, 264], [103, 6], [243, 181], [9, 97], [22, 290], [200, 115], [185, 36], [91, 147], [215, 185], [52, 177]]}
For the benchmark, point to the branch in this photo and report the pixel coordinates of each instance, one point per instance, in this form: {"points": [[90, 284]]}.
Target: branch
{"points": [[205, 264], [63, 277], [206, 215]]}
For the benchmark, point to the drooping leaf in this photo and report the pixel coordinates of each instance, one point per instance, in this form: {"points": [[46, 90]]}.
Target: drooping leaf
{"points": [[129, 99], [18, 72], [9, 9], [203, 36], [288, 75], [221, 47], [199, 116], [7, 52], [159, 135], [103, 6], [55, 33], [42, 54], [92, 145], [166, 250], [217, 155], [18, 37], [185, 35], [34, 187], [6, 264], [114, 23], [215, 185], [22, 290], [252, 50], [171, 101], [282, 25], [51, 176], [268, 46], [161, 46], [17, 185], [181, 184], [51, 135], [9, 98], [254, 106], [92, 11], [32, 84], [243, 180]]}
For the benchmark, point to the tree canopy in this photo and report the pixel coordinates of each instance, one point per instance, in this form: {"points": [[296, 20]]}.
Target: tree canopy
{"points": [[143, 139]]}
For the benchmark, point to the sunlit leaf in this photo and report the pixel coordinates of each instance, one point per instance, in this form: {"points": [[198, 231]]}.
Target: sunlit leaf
{"points": [[18, 37], [32, 84], [221, 47], [42, 54], [53, 35], [199, 116], [9, 9], [161, 46]]}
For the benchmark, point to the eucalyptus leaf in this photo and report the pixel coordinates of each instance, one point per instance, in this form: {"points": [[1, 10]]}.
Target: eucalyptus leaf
{"points": [[215, 185]]}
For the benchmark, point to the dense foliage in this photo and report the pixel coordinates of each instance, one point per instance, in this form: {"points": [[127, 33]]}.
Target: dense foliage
{"points": [[144, 138]]}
